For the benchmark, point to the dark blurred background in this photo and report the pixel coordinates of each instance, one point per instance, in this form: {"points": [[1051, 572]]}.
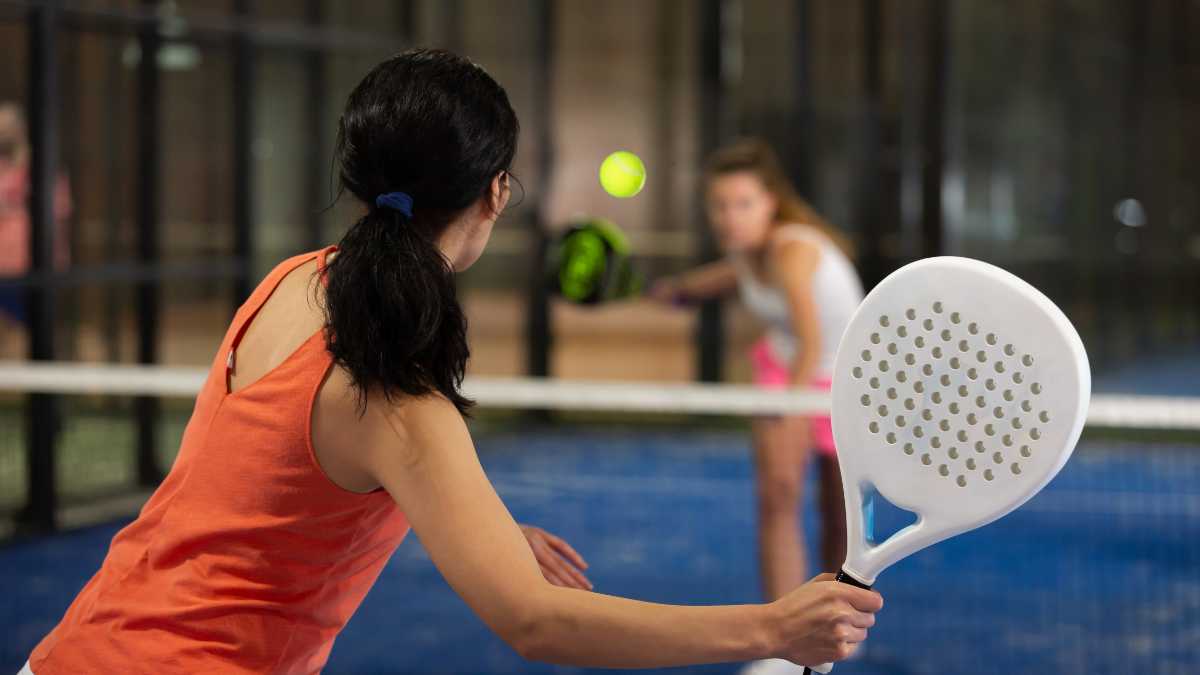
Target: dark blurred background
{"points": [[194, 138]]}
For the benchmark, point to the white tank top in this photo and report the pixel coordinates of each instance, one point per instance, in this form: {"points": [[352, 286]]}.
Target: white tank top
{"points": [[836, 290]]}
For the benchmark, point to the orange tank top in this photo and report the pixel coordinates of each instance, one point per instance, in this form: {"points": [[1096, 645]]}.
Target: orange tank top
{"points": [[247, 559]]}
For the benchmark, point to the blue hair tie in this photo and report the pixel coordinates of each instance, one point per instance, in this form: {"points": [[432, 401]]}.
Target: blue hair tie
{"points": [[397, 201]]}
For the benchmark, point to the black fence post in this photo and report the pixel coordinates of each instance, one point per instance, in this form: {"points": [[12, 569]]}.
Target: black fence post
{"points": [[42, 416], [149, 116], [539, 338]]}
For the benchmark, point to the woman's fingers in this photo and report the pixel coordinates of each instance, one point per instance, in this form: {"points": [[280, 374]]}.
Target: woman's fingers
{"points": [[553, 577], [566, 551]]}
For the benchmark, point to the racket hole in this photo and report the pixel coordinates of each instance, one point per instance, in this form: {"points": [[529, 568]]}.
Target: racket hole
{"points": [[918, 431], [1009, 350], [1035, 388], [909, 404], [980, 401], [927, 369], [874, 338], [928, 324], [1008, 395], [1016, 468], [902, 376], [944, 425], [953, 453], [1007, 441], [937, 352], [1026, 452], [937, 307], [883, 411], [979, 447], [919, 341], [954, 408], [866, 355], [963, 346], [961, 436], [954, 362], [892, 349], [971, 463], [935, 442], [998, 458], [1017, 423], [1018, 378], [919, 387], [883, 321], [987, 474], [866, 400], [973, 328], [900, 421], [998, 413], [961, 480], [910, 313], [1044, 416], [937, 397], [991, 339], [945, 335], [910, 359], [962, 388], [926, 415], [926, 459], [891, 393], [874, 382], [972, 373], [883, 366], [874, 427], [908, 448], [999, 366], [981, 356], [858, 373], [972, 419], [944, 470], [955, 317], [1027, 360], [1035, 433], [901, 331], [989, 430], [891, 438], [1026, 406], [990, 384], [945, 380]]}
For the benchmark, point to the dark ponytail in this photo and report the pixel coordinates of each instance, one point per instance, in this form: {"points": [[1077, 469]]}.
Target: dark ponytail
{"points": [[438, 128]]}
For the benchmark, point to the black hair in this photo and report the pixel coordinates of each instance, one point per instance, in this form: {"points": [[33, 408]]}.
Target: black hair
{"points": [[435, 126]]}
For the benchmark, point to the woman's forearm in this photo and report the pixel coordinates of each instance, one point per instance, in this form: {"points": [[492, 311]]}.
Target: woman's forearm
{"points": [[588, 629], [709, 281]]}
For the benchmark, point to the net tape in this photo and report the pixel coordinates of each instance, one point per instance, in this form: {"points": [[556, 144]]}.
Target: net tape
{"points": [[1106, 410]]}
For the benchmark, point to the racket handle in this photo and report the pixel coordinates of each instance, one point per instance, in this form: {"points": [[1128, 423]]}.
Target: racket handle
{"points": [[824, 668]]}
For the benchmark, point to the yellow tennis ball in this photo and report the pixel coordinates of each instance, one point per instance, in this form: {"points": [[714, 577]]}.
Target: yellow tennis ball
{"points": [[622, 174]]}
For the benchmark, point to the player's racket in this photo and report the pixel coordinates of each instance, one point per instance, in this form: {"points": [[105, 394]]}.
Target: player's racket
{"points": [[959, 391]]}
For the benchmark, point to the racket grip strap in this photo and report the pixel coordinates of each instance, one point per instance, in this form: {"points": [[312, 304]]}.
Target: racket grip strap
{"points": [[844, 578]]}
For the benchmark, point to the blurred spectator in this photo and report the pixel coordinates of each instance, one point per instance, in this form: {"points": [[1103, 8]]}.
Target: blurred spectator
{"points": [[14, 214]]}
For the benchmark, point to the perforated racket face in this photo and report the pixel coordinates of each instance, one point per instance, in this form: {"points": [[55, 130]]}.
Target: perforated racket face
{"points": [[959, 391]]}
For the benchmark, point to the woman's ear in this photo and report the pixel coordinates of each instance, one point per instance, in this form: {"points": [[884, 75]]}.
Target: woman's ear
{"points": [[500, 193]]}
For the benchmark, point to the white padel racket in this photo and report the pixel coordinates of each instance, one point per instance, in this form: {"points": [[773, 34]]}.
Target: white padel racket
{"points": [[959, 391]]}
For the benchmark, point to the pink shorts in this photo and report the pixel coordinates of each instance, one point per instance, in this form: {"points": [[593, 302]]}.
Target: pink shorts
{"points": [[771, 372]]}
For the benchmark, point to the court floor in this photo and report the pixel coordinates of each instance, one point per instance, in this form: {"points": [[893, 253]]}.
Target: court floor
{"points": [[1098, 574]]}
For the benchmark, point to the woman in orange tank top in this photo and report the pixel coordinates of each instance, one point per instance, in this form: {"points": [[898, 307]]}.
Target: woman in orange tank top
{"points": [[332, 422]]}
